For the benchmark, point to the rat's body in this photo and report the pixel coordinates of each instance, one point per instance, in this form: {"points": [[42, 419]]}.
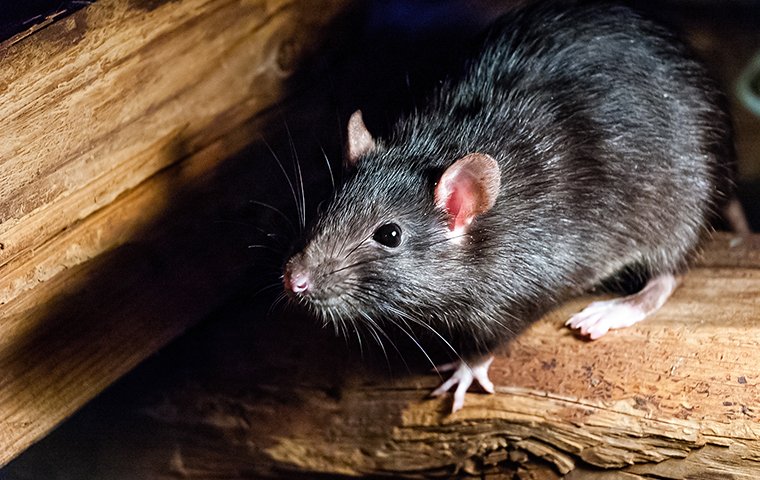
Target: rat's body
{"points": [[580, 143]]}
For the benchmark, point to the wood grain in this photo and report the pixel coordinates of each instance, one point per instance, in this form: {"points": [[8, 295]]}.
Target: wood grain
{"points": [[115, 121], [98, 102]]}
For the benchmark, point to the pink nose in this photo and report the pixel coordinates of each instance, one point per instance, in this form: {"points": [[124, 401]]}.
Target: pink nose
{"points": [[297, 282]]}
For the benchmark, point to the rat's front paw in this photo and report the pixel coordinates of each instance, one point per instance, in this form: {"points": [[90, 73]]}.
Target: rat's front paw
{"points": [[463, 377]]}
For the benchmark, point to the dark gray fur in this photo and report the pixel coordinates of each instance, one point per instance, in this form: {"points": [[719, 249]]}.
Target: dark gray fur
{"points": [[615, 149]]}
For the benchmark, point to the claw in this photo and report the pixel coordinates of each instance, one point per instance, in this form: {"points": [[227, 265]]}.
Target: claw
{"points": [[463, 378], [599, 317]]}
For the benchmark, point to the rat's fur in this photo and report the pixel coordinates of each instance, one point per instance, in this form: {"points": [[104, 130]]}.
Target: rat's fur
{"points": [[614, 148]]}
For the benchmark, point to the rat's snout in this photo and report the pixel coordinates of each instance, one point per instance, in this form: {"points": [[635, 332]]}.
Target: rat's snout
{"points": [[296, 279], [297, 282]]}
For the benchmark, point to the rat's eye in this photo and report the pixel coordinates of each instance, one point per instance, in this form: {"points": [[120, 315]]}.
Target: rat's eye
{"points": [[388, 235]]}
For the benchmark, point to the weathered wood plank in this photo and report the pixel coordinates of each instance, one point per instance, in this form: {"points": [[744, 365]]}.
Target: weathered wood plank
{"points": [[113, 121]]}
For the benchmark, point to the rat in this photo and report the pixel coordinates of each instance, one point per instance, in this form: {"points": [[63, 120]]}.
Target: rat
{"points": [[579, 144]]}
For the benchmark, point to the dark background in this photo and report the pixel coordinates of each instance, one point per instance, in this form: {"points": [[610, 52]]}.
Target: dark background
{"points": [[17, 17]]}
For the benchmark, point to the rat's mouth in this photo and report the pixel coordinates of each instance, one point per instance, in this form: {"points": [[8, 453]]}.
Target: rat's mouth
{"points": [[322, 305]]}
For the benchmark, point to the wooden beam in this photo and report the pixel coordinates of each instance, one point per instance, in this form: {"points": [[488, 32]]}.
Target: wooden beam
{"points": [[113, 119], [676, 396], [98, 102]]}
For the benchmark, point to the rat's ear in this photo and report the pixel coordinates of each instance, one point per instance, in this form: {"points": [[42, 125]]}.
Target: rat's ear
{"points": [[468, 188], [360, 141]]}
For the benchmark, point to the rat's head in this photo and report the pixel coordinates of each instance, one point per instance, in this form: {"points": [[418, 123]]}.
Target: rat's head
{"points": [[393, 240]]}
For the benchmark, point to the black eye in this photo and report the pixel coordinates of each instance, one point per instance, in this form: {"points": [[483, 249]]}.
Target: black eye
{"points": [[388, 235]]}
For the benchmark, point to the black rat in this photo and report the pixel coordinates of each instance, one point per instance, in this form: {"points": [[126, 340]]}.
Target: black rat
{"points": [[580, 143]]}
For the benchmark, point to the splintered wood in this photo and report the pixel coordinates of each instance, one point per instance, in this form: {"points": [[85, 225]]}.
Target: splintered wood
{"points": [[107, 115], [675, 396]]}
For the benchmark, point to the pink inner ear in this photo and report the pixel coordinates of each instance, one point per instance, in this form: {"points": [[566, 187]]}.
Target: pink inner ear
{"points": [[459, 201], [468, 188], [454, 206]]}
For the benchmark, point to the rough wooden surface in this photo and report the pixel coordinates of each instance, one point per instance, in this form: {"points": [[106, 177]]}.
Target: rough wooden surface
{"points": [[110, 117], [674, 397], [98, 102]]}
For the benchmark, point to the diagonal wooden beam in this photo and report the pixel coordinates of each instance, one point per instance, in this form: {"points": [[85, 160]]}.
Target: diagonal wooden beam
{"points": [[108, 117]]}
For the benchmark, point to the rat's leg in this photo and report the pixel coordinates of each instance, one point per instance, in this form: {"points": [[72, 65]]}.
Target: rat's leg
{"points": [[463, 376], [599, 317]]}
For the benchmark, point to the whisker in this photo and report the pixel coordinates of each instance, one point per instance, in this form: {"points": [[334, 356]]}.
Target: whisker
{"points": [[376, 326], [329, 167], [441, 337], [352, 322], [434, 331], [280, 298], [344, 325], [265, 247], [266, 287], [411, 337], [287, 178], [404, 315], [299, 175], [357, 246], [334, 323], [357, 264], [278, 211], [393, 344], [258, 229], [373, 328]]}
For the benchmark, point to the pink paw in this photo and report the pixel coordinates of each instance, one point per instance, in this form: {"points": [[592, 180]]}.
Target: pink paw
{"points": [[463, 377], [603, 316]]}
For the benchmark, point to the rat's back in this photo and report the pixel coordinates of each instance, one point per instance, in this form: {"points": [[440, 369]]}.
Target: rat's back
{"points": [[613, 142]]}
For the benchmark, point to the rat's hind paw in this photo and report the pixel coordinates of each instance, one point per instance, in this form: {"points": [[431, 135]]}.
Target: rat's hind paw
{"points": [[600, 317], [463, 378]]}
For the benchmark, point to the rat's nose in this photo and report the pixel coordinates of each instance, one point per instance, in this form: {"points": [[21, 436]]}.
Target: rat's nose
{"points": [[296, 282]]}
